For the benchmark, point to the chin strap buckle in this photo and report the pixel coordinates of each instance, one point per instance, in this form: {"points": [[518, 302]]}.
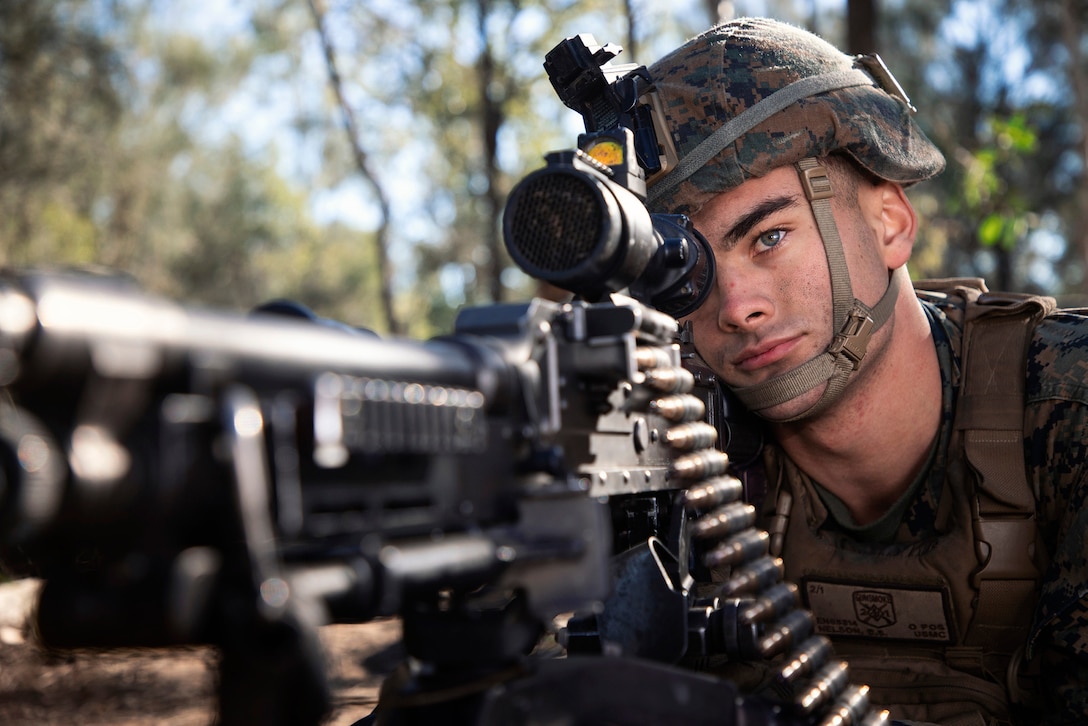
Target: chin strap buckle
{"points": [[853, 340]]}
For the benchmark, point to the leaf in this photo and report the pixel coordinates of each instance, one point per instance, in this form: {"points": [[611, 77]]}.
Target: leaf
{"points": [[991, 231]]}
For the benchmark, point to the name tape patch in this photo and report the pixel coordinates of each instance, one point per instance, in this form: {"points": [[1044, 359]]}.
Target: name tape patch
{"points": [[868, 611]]}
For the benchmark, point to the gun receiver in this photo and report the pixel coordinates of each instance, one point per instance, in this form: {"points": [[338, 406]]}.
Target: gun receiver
{"points": [[180, 475], [161, 462]]}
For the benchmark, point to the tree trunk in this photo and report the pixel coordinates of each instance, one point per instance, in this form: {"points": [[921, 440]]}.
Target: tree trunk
{"points": [[720, 11], [491, 118], [861, 17], [630, 49], [1078, 82], [351, 128]]}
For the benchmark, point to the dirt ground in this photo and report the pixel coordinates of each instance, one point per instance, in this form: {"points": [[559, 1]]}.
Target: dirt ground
{"points": [[173, 687]]}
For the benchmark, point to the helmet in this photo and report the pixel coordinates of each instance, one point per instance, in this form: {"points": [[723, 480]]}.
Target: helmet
{"points": [[755, 94], [788, 95]]}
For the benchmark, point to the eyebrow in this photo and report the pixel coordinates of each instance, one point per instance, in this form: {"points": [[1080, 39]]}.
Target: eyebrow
{"points": [[757, 214]]}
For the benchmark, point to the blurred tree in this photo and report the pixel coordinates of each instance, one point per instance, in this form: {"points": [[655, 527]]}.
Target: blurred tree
{"points": [[986, 78], [60, 104], [861, 26], [1001, 211], [113, 153], [381, 241], [452, 96], [132, 140], [1068, 20]]}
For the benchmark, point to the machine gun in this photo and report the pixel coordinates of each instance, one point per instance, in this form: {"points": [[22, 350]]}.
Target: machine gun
{"points": [[179, 475]]}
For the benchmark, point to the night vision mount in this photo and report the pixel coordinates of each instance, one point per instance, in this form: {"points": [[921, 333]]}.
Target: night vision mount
{"points": [[581, 222]]}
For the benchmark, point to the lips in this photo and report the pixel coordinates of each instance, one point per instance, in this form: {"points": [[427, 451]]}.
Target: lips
{"points": [[765, 353]]}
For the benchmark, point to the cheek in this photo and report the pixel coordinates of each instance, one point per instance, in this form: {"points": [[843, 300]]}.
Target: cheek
{"points": [[704, 318], [811, 295], [868, 271]]}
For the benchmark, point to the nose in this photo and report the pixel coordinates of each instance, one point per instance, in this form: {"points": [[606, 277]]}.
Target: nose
{"points": [[742, 300]]}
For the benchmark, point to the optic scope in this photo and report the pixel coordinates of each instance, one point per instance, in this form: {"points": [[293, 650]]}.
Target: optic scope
{"points": [[572, 225], [581, 222]]}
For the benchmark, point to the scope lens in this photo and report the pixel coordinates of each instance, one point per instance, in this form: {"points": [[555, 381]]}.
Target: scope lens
{"points": [[556, 224]]}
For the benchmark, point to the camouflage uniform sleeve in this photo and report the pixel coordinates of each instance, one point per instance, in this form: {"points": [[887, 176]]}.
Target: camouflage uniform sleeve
{"points": [[1056, 429]]}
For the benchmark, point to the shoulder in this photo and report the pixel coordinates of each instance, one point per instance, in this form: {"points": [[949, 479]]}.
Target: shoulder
{"points": [[1057, 351], [1056, 447], [1056, 393], [1057, 362]]}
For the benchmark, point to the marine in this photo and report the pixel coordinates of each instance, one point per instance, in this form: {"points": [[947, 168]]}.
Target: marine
{"points": [[926, 467]]}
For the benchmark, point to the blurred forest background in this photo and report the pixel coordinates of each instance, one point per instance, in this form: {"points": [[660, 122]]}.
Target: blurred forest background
{"points": [[355, 154]]}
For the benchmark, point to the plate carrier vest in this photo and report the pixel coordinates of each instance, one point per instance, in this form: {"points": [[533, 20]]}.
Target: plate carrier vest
{"points": [[939, 630]]}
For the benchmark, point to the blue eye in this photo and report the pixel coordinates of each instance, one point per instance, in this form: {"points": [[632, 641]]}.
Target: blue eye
{"points": [[771, 239]]}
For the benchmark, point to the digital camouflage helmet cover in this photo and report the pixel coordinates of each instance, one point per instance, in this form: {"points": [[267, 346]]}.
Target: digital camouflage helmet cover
{"points": [[729, 74]]}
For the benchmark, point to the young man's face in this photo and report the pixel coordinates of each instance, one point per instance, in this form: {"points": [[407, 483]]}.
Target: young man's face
{"points": [[771, 307]]}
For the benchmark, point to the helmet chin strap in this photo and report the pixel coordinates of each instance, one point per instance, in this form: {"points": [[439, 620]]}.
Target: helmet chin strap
{"points": [[853, 319]]}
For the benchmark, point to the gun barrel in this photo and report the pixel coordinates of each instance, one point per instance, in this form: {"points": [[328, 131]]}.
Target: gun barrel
{"points": [[48, 320]]}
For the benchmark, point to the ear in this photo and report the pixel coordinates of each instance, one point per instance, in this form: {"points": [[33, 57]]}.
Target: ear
{"points": [[898, 225]]}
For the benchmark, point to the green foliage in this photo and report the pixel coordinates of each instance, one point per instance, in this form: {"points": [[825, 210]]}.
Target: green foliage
{"points": [[105, 160], [453, 99], [117, 147], [60, 103], [1005, 213], [330, 269], [124, 142], [998, 94]]}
